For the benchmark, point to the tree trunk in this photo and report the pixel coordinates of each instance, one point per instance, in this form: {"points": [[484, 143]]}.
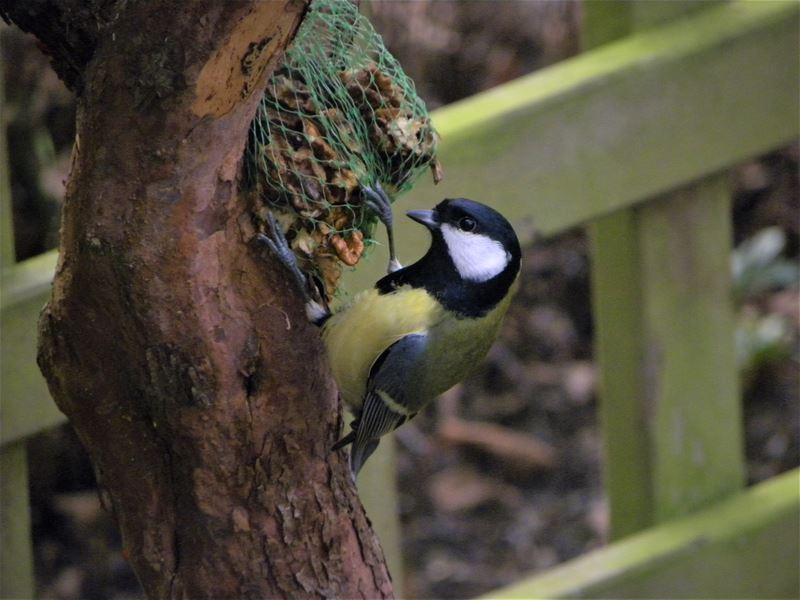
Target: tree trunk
{"points": [[178, 350]]}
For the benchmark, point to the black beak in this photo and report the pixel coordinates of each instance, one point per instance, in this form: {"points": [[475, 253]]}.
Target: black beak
{"points": [[426, 217]]}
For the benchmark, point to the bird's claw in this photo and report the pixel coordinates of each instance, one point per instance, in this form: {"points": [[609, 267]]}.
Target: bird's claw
{"points": [[278, 244], [378, 201]]}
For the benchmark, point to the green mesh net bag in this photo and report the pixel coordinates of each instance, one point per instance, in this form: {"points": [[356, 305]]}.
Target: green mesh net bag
{"points": [[338, 115]]}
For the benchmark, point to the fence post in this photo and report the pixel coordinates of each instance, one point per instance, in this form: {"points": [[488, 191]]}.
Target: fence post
{"points": [[377, 482], [669, 407], [377, 488], [16, 549]]}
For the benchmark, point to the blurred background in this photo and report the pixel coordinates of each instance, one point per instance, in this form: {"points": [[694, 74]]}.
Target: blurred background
{"points": [[503, 477]]}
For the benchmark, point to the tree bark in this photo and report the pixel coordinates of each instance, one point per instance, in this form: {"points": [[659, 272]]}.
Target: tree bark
{"points": [[179, 352]]}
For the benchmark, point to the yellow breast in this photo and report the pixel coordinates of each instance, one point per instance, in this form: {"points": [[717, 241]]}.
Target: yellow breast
{"points": [[459, 345], [356, 336]]}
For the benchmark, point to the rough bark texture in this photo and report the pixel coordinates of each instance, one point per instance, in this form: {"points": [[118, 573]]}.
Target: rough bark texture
{"points": [[178, 350]]}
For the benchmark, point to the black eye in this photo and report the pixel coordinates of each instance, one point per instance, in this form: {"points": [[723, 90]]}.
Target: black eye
{"points": [[466, 224]]}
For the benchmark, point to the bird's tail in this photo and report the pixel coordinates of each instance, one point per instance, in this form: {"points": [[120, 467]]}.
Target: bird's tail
{"points": [[348, 439], [359, 452]]}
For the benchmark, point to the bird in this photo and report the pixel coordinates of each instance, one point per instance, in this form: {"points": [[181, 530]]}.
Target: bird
{"points": [[422, 328]]}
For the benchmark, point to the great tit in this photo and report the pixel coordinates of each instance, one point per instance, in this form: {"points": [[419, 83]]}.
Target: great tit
{"points": [[422, 328]]}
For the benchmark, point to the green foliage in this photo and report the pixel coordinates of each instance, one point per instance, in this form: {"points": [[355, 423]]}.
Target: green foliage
{"points": [[758, 267], [761, 340]]}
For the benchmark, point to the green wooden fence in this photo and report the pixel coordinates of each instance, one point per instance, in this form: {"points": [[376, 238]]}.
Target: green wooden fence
{"points": [[630, 138]]}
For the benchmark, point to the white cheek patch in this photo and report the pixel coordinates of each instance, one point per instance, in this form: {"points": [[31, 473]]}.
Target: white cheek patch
{"points": [[477, 257]]}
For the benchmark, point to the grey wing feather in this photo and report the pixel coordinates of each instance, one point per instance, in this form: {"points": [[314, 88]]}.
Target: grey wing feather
{"points": [[376, 420], [396, 374], [398, 371]]}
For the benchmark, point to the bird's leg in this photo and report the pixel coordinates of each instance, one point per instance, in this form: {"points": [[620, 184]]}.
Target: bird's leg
{"points": [[377, 200], [279, 245]]}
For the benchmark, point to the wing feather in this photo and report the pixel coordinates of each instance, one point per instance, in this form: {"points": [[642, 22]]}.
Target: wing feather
{"points": [[391, 397]]}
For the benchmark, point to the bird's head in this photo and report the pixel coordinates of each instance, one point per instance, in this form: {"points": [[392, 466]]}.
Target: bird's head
{"points": [[479, 240]]}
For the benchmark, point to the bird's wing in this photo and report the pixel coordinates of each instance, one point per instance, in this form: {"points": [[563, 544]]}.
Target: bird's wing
{"points": [[358, 335], [391, 395]]}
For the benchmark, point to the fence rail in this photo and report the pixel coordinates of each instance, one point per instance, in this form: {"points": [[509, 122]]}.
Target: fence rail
{"points": [[26, 406], [630, 120], [604, 131], [743, 547]]}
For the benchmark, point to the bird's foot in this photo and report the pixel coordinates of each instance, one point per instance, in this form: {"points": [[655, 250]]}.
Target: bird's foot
{"points": [[276, 241], [378, 201]]}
